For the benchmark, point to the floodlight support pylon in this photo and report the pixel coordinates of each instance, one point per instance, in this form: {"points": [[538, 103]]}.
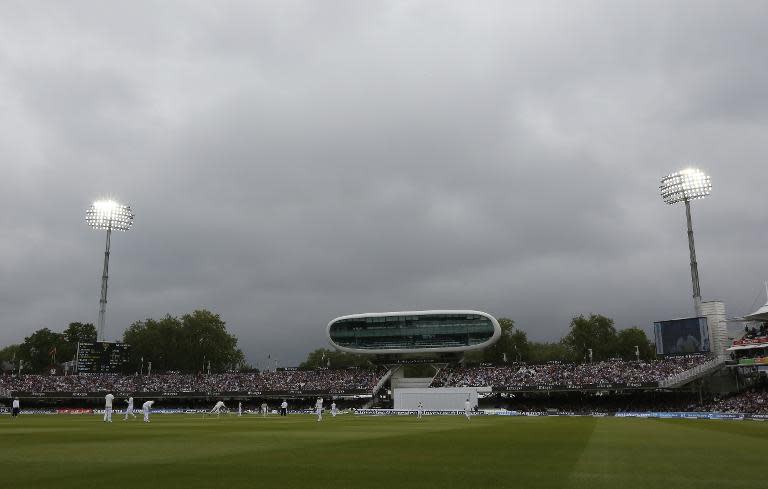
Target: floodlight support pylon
{"points": [[104, 280], [694, 264]]}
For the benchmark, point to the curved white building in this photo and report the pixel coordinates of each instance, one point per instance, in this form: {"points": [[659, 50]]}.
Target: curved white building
{"points": [[441, 331]]}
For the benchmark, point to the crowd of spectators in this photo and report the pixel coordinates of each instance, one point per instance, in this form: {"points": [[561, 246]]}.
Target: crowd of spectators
{"points": [[754, 401], [280, 381], [513, 375], [557, 373], [753, 332]]}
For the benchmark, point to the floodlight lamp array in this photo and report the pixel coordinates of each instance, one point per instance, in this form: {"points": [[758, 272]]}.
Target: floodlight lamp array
{"points": [[108, 214], [688, 184]]}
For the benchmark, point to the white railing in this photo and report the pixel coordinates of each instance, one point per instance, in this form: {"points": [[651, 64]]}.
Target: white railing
{"points": [[693, 373], [384, 380]]}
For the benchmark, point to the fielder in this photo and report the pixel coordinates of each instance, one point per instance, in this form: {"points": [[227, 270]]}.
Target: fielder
{"points": [[264, 408], [467, 409], [333, 409], [319, 409], [129, 409], [284, 408], [239, 409], [217, 408], [108, 407], [419, 410], [147, 407]]}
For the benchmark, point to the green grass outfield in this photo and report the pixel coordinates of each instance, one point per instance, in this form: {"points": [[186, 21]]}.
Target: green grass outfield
{"points": [[185, 451]]}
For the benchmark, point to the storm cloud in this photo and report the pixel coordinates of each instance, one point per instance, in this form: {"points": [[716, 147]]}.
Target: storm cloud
{"points": [[291, 161]]}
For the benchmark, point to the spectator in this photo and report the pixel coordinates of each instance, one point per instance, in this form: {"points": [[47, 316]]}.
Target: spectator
{"points": [[284, 381], [558, 373]]}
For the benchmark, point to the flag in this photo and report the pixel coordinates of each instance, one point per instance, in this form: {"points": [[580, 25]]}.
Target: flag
{"points": [[504, 355]]}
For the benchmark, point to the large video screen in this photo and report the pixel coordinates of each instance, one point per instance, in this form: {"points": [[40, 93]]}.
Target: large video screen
{"points": [[681, 336], [101, 357]]}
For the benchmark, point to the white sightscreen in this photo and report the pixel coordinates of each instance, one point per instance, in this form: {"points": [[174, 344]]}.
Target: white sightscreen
{"points": [[435, 398]]}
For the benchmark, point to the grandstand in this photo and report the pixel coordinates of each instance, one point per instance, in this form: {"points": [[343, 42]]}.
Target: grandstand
{"points": [[394, 341], [281, 383], [557, 376], [750, 349], [614, 385]]}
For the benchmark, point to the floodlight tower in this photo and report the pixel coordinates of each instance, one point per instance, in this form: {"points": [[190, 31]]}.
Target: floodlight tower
{"points": [[109, 215], [685, 186]]}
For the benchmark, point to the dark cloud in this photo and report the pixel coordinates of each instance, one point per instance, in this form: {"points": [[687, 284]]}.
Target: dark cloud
{"points": [[289, 162]]}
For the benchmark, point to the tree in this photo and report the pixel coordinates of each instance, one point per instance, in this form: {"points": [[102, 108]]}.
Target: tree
{"points": [[9, 357], [626, 341], [74, 334], [512, 345], [323, 357], [186, 344], [154, 341], [80, 333], [40, 350], [548, 352], [205, 337], [595, 333]]}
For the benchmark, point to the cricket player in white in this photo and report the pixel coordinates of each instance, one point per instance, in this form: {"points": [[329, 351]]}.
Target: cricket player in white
{"points": [[284, 408], [16, 408], [239, 408], [108, 408], [319, 408], [129, 409], [264, 408], [217, 408], [147, 407], [333, 409], [467, 409], [419, 410]]}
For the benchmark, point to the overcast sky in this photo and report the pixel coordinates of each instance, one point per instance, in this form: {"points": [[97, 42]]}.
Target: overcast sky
{"points": [[290, 162]]}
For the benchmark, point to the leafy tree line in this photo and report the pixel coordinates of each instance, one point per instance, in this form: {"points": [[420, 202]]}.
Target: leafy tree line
{"points": [[189, 343], [192, 342], [44, 348], [326, 358], [595, 333]]}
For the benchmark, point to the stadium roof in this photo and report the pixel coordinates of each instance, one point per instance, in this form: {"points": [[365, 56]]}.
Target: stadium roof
{"points": [[759, 315], [762, 313]]}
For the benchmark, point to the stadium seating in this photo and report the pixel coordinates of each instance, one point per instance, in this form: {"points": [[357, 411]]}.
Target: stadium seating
{"points": [[512, 377], [324, 380], [557, 373], [751, 401]]}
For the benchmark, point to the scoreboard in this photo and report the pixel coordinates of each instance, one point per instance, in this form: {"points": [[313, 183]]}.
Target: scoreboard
{"points": [[101, 357], [681, 336]]}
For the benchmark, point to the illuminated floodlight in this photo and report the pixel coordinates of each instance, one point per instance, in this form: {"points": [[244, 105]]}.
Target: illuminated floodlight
{"points": [[688, 184], [110, 216], [685, 186]]}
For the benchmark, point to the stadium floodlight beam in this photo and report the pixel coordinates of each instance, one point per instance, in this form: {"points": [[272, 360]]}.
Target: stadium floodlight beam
{"points": [[108, 215], [685, 186]]}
